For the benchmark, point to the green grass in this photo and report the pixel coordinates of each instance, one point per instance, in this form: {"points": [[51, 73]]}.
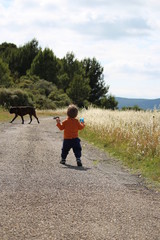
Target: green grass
{"points": [[4, 115], [148, 167]]}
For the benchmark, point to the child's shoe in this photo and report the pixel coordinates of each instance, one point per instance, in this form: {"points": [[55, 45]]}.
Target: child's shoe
{"points": [[63, 161], [79, 163]]}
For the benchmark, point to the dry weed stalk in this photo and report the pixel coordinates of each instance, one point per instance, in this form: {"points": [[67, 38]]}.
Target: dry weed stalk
{"points": [[141, 130]]}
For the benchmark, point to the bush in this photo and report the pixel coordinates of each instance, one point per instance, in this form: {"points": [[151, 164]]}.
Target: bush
{"points": [[26, 84], [42, 102], [16, 97], [45, 87], [134, 108], [60, 99]]}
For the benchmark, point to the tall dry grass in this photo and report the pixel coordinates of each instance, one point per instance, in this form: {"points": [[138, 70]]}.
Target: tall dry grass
{"points": [[134, 135], [141, 130], [50, 112]]}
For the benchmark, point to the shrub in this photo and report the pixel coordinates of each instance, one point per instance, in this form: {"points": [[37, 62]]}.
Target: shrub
{"points": [[45, 87], [16, 97], [42, 102], [60, 99]]}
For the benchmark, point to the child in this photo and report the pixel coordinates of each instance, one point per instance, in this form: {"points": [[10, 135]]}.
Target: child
{"points": [[71, 126]]}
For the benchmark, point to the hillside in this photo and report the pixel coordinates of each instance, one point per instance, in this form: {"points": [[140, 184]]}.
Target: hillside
{"points": [[142, 103]]}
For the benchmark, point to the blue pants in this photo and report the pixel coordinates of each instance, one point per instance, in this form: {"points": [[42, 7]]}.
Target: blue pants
{"points": [[71, 143]]}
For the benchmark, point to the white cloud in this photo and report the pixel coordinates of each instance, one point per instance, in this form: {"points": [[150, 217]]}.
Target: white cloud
{"points": [[123, 36]]}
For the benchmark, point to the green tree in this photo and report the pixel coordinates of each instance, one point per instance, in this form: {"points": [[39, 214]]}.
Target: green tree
{"points": [[63, 81], [26, 55], [6, 50], [19, 59], [94, 72], [5, 78], [9, 54], [79, 90], [109, 102], [44, 65], [70, 66]]}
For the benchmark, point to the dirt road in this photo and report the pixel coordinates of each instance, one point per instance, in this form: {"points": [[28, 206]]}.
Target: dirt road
{"points": [[42, 199]]}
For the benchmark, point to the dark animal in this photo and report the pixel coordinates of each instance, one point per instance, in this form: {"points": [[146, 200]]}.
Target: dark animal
{"points": [[23, 110], [56, 117]]}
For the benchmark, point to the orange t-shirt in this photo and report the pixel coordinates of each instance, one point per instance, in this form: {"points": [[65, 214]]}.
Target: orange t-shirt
{"points": [[71, 126]]}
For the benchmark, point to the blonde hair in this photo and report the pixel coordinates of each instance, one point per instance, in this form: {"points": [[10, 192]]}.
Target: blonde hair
{"points": [[72, 111]]}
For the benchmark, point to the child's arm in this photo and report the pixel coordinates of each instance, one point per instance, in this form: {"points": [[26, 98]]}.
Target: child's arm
{"points": [[59, 124], [57, 119], [81, 125]]}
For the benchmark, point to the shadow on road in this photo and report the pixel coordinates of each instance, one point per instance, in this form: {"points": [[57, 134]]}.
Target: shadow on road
{"points": [[76, 167]]}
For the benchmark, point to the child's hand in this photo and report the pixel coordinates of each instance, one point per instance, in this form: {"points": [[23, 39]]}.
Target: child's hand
{"points": [[58, 120], [81, 120]]}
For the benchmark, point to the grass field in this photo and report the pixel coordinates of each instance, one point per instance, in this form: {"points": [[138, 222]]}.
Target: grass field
{"points": [[133, 137]]}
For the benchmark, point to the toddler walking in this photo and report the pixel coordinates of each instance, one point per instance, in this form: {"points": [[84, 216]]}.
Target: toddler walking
{"points": [[71, 126]]}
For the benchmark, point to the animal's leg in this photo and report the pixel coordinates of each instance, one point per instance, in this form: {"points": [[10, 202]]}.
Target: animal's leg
{"points": [[22, 119], [14, 118], [36, 117], [30, 118]]}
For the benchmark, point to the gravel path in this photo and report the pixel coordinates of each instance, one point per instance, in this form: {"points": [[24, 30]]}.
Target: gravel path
{"points": [[41, 199]]}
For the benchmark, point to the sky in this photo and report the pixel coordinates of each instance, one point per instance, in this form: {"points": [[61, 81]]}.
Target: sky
{"points": [[123, 36]]}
